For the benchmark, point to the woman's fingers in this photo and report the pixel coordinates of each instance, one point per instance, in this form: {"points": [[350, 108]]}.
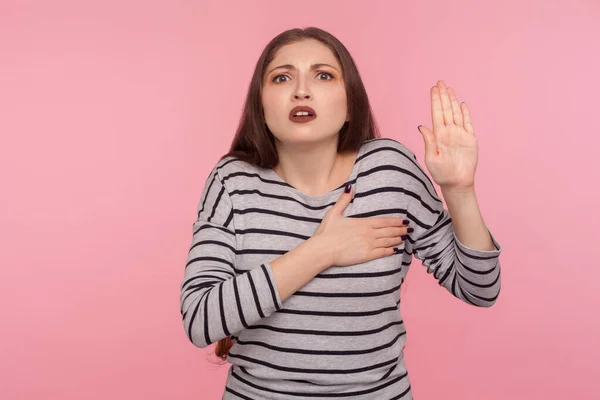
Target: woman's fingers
{"points": [[390, 232], [386, 222], [388, 242]]}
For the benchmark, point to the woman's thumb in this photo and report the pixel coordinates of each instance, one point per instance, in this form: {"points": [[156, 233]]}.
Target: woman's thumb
{"points": [[428, 138]]}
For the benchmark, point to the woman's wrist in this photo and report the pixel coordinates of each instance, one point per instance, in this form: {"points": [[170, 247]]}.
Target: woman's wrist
{"points": [[317, 250]]}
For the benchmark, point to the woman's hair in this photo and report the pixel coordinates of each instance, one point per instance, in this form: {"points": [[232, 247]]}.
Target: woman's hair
{"points": [[255, 144]]}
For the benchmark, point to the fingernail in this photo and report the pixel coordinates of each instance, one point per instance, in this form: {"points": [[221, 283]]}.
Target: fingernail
{"points": [[348, 187], [405, 237], [396, 249], [406, 222], [410, 230]]}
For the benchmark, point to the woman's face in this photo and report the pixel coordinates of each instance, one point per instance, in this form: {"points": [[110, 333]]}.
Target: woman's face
{"points": [[311, 76]]}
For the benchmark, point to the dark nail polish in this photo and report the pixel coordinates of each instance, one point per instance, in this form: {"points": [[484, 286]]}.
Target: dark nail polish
{"points": [[348, 187], [396, 249], [406, 222], [410, 230], [405, 237]]}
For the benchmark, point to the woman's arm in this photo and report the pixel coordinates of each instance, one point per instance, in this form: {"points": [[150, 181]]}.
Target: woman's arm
{"points": [[299, 266], [457, 253], [217, 299], [467, 220], [470, 274]]}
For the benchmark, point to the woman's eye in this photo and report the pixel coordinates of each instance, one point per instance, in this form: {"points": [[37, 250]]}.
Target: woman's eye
{"points": [[276, 79], [326, 73]]}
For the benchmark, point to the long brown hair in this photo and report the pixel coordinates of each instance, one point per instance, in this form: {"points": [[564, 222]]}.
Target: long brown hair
{"points": [[255, 144]]}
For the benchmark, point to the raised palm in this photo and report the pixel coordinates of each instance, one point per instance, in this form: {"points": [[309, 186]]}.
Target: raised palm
{"points": [[451, 149]]}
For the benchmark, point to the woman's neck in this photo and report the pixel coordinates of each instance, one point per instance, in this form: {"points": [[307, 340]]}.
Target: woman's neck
{"points": [[314, 171]]}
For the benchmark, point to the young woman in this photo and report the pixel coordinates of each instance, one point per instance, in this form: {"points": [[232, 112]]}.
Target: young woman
{"points": [[307, 227]]}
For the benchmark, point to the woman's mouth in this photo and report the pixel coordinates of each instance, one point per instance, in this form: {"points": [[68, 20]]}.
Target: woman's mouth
{"points": [[302, 114]]}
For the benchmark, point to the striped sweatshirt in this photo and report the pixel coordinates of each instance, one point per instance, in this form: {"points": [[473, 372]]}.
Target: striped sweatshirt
{"points": [[341, 335]]}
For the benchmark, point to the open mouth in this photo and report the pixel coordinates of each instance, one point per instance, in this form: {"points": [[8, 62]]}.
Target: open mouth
{"points": [[305, 117], [302, 114]]}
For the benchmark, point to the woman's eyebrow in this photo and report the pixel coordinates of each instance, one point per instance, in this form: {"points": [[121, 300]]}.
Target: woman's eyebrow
{"points": [[312, 67]]}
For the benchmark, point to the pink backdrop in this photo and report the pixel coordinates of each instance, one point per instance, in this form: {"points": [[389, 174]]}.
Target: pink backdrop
{"points": [[113, 112]]}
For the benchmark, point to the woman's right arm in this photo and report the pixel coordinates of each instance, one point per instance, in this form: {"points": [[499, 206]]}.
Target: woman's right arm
{"points": [[217, 300]]}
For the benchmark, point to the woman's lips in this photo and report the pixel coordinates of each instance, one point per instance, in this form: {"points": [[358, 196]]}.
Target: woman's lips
{"points": [[302, 118]]}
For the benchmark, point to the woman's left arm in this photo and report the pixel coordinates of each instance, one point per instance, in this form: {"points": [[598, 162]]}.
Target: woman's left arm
{"points": [[470, 268], [451, 157], [454, 245]]}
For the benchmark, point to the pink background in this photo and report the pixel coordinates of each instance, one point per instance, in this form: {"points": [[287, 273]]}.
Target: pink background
{"points": [[113, 112]]}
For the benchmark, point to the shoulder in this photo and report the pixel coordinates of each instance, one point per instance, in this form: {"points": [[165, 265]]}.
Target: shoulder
{"points": [[389, 156], [388, 150], [232, 169]]}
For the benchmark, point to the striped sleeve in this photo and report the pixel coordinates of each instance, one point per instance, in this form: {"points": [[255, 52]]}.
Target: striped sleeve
{"points": [[217, 300], [469, 274]]}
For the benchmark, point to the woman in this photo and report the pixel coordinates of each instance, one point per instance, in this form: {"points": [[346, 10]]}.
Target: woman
{"points": [[307, 227]]}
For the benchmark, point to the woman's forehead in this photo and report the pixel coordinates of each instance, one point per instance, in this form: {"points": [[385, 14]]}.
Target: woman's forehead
{"points": [[304, 54]]}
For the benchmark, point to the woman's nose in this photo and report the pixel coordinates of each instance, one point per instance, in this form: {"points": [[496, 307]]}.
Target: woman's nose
{"points": [[299, 95], [302, 91]]}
